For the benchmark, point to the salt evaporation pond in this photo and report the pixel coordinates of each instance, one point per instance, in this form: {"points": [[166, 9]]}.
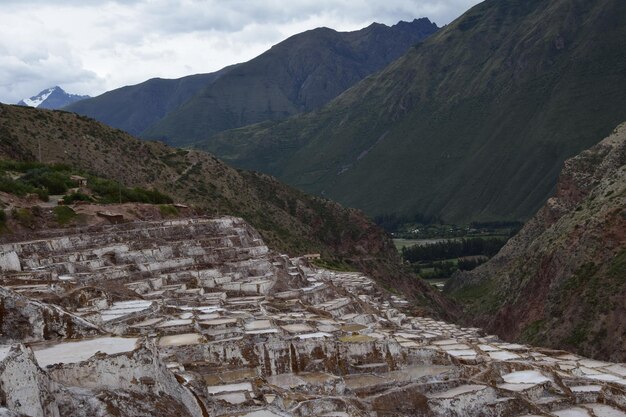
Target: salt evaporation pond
{"points": [[72, 352]]}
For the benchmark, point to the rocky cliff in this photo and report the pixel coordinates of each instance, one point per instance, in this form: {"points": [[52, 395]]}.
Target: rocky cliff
{"points": [[561, 282]]}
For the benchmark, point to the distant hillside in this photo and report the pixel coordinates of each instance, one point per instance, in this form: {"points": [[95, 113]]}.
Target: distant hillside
{"points": [[289, 220], [134, 108], [561, 282], [51, 98], [471, 125], [299, 74]]}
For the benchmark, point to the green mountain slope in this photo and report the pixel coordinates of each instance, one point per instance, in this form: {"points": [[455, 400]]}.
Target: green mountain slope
{"points": [[289, 220], [136, 107], [473, 124], [561, 281], [299, 74]]}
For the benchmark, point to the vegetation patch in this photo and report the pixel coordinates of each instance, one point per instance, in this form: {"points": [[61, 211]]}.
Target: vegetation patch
{"points": [[333, 264], [480, 297], [167, 210], [533, 331], [64, 214], [24, 217]]}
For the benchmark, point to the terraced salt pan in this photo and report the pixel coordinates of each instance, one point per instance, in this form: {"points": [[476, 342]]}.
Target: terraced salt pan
{"points": [[124, 308], [258, 325], [602, 410], [525, 377], [148, 323], [503, 355], [454, 392], [263, 413], [4, 351], [459, 353], [572, 412], [586, 388], [314, 335], [298, 328], [181, 339], [72, 352], [218, 389], [176, 323]]}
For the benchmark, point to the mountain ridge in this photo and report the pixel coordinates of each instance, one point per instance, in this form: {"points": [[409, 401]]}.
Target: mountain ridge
{"points": [[298, 74], [475, 120]]}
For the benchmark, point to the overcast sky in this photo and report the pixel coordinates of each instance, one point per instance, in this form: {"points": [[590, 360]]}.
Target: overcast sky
{"points": [[92, 46]]}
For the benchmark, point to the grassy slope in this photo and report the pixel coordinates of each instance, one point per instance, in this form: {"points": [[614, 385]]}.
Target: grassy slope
{"points": [[472, 124], [289, 220], [299, 74], [561, 281]]}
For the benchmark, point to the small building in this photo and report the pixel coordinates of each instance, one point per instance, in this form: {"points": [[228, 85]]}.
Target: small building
{"points": [[82, 181], [312, 256]]}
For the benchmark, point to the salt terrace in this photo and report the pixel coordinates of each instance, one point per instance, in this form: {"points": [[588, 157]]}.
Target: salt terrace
{"points": [[202, 311]]}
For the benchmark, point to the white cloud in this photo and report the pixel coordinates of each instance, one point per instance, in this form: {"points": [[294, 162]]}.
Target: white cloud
{"points": [[91, 46]]}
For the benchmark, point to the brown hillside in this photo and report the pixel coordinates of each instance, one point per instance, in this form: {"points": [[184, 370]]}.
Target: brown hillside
{"points": [[289, 220], [561, 282]]}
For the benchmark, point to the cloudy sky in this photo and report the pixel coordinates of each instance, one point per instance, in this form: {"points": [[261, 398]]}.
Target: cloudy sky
{"points": [[92, 46]]}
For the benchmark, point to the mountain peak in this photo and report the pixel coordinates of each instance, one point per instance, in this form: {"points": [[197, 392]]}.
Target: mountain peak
{"points": [[51, 98]]}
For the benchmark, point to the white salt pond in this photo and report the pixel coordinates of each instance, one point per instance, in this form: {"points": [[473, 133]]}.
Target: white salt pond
{"points": [[4, 351], [314, 335], [73, 352], [297, 328], [262, 413], [502, 355], [218, 389], [572, 412], [525, 377], [124, 308], [602, 410], [454, 392], [181, 339]]}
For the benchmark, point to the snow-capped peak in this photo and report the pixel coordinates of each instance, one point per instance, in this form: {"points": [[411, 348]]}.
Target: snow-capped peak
{"points": [[51, 98], [35, 101]]}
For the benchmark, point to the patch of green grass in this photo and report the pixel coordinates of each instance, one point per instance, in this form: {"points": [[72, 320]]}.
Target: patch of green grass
{"points": [[480, 297], [24, 217], [578, 335], [333, 264], [617, 267], [64, 214], [533, 330], [167, 210]]}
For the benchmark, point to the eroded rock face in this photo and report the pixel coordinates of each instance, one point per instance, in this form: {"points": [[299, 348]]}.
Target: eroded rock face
{"points": [[26, 320], [204, 320], [561, 282]]}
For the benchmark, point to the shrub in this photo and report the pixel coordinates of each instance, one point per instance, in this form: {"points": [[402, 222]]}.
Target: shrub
{"points": [[168, 210], [71, 198], [64, 214], [24, 217]]}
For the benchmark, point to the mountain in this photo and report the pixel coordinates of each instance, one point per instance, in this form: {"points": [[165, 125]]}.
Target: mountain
{"points": [[51, 98], [299, 74], [135, 108], [289, 220], [561, 282], [473, 124]]}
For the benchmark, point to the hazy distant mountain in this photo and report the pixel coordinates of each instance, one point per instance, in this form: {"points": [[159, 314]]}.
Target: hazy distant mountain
{"points": [[473, 124], [51, 98], [136, 107], [299, 74]]}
